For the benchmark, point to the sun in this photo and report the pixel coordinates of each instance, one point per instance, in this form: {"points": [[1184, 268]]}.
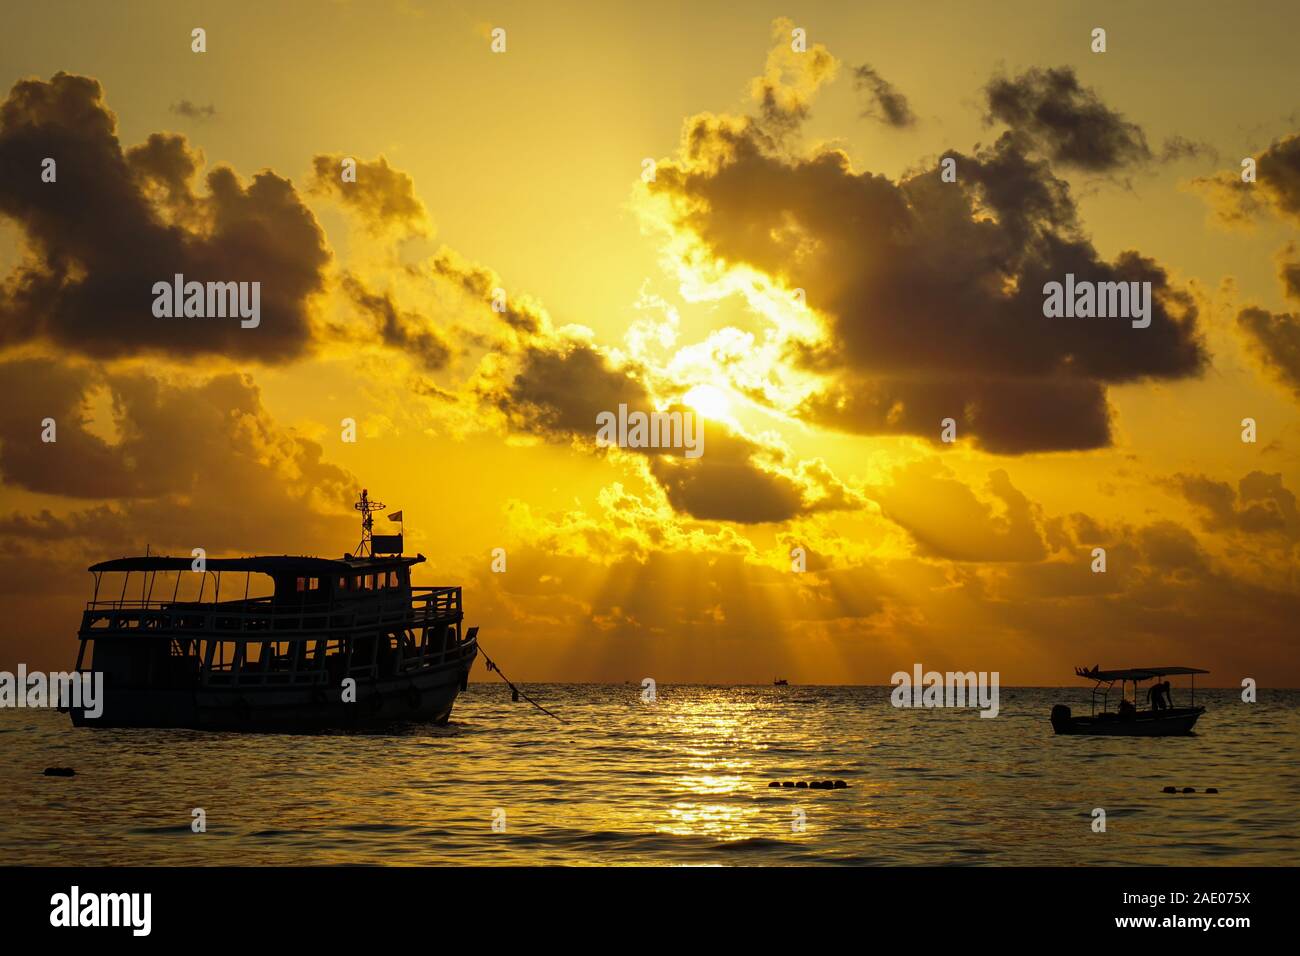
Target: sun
{"points": [[709, 401]]}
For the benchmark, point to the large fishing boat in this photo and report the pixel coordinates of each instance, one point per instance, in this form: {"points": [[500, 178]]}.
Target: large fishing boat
{"points": [[303, 644], [1128, 720]]}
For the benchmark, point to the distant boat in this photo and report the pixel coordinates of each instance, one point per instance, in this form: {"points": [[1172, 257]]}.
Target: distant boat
{"points": [[1127, 720], [780, 682], [339, 643]]}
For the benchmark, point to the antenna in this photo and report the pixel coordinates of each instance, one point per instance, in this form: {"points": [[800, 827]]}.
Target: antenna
{"points": [[367, 508]]}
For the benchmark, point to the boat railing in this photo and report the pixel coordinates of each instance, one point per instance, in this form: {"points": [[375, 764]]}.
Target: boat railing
{"points": [[266, 618], [326, 670]]}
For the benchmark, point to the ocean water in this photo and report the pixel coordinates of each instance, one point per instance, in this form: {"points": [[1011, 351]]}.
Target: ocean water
{"points": [[682, 781]]}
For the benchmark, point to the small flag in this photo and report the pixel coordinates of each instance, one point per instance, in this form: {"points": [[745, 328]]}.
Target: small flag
{"points": [[395, 516]]}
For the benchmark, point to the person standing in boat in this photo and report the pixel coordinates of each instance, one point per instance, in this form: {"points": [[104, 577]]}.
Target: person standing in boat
{"points": [[1160, 695]]}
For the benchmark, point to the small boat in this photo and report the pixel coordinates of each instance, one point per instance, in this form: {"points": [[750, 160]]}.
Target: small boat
{"points": [[780, 682], [334, 643], [1127, 720]]}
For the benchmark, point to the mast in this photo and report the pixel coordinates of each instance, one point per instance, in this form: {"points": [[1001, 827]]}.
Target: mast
{"points": [[367, 507]]}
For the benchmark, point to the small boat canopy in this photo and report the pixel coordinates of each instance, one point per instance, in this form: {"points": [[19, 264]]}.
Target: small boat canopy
{"points": [[268, 564], [1136, 673]]}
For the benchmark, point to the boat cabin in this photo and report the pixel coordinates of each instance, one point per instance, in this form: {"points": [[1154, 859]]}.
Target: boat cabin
{"points": [[1105, 682], [178, 622]]}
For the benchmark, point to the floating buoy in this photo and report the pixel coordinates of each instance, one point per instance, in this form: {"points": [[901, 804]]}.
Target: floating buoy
{"points": [[60, 772], [1189, 789], [1169, 790], [810, 784], [1211, 789]]}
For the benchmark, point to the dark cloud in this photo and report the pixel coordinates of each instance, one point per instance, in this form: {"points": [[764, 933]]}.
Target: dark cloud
{"points": [[560, 388], [165, 168], [1172, 551], [885, 103], [1278, 176], [1261, 503], [100, 523], [1066, 122], [116, 222], [382, 197], [518, 312], [790, 79], [1290, 276], [1288, 270], [1005, 416], [932, 291], [210, 440], [1274, 338], [1177, 148], [79, 463], [738, 479], [947, 520], [1276, 188], [408, 332], [724, 484], [193, 111]]}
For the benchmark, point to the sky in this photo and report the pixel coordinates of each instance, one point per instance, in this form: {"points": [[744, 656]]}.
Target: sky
{"points": [[741, 213]]}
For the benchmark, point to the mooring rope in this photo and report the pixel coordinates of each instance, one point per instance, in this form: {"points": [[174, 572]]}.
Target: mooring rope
{"points": [[492, 666]]}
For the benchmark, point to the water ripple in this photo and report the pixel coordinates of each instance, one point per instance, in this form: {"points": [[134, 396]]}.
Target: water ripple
{"points": [[680, 781]]}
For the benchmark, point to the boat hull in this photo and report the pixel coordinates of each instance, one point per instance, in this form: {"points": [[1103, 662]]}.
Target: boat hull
{"points": [[422, 696], [1161, 723]]}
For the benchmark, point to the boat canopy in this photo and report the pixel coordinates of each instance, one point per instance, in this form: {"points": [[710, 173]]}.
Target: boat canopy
{"points": [[1136, 673], [267, 564]]}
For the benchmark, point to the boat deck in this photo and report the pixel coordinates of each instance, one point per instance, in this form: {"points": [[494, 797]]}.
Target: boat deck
{"points": [[251, 619]]}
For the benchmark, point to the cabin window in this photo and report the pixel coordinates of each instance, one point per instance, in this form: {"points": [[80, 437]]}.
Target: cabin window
{"points": [[302, 584], [313, 584], [392, 579], [370, 582], [343, 584]]}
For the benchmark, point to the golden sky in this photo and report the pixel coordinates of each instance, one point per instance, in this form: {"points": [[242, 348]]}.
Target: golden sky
{"points": [[797, 270]]}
